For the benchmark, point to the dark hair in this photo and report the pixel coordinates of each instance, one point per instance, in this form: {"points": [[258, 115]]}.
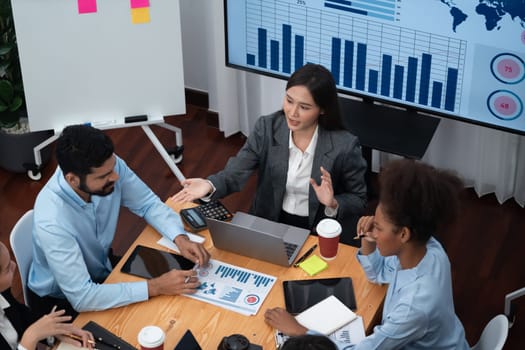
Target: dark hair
{"points": [[81, 148], [321, 85], [419, 196], [309, 342]]}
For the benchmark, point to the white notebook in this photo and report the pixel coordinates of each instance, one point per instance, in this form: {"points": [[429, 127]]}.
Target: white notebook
{"points": [[326, 316]]}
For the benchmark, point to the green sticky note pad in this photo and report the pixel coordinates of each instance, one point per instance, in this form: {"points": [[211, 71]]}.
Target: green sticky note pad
{"points": [[313, 265]]}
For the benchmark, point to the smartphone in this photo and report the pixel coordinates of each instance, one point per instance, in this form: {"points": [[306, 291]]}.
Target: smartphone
{"points": [[187, 342], [194, 218]]}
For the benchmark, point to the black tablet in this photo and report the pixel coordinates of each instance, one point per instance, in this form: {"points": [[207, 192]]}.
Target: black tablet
{"points": [[106, 340], [299, 295], [188, 342], [149, 262]]}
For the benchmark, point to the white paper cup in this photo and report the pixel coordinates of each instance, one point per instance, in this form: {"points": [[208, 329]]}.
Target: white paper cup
{"points": [[151, 338], [329, 231]]}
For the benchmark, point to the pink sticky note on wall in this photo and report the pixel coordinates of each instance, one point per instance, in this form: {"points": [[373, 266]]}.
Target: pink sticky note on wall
{"points": [[87, 6], [139, 3]]}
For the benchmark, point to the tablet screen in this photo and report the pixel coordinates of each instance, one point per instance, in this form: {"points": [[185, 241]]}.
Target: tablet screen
{"points": [[149, 262], [299, 295]]}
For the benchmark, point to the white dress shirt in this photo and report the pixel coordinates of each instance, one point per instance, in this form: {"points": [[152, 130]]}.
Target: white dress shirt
{"points": [[300, 164], [298, 178], [6, 327]]}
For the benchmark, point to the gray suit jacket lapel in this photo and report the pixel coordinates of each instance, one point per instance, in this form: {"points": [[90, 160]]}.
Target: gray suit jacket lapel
{"points": [[279, 163]]}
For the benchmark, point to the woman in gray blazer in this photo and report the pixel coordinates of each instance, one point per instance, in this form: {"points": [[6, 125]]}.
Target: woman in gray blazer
{"points": [[308, 166]]}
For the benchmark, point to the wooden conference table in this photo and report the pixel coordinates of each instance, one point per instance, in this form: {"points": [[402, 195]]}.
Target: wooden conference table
{"points": [[210, 323]]}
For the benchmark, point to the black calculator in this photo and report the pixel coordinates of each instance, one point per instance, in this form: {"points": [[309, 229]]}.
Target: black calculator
{"points": [[195, 217]]}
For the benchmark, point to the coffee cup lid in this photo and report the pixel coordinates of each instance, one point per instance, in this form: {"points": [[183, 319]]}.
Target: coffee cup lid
{"points": [[151, 336], [329, 228]]}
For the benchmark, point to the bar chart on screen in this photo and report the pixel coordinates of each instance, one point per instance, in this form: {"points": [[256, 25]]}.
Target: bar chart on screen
{"points": [[361, 44]]}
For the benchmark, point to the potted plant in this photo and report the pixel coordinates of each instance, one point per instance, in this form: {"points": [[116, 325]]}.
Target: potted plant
{"points": [[11, 87], [10, 103], [16, 142]]}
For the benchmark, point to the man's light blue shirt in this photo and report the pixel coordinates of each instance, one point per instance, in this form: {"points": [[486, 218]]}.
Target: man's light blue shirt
{"points": [[419, 309], [72, 238]]}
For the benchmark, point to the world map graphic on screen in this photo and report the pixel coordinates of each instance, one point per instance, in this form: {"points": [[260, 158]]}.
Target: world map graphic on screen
{"points": [[492, 11]]}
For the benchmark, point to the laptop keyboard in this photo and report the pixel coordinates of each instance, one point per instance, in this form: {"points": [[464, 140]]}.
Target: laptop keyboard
{"points": [[290, 248]]}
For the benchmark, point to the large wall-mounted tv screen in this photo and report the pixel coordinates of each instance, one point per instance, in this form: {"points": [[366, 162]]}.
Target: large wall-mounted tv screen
{"points": [[462, 59]]}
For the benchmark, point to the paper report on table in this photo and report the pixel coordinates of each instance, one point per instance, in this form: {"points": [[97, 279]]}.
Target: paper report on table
{"points": [[232, 287]]}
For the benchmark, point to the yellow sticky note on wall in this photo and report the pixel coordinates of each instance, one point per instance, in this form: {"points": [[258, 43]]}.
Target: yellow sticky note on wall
{"points": [[313, 265], [140, 15]]}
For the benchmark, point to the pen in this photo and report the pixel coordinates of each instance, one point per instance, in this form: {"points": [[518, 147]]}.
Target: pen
{"points": [[305, 255], [195, 267], [360, 235], [98, 340], [79, 338]]}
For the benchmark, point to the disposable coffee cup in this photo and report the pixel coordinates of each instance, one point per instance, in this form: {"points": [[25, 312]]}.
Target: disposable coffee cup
{"points": [[328, 231], [151, 338]]}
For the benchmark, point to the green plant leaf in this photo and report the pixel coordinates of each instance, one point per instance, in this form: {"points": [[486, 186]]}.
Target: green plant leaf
{"points": [[16, 103], [4, 50], [11, 85], [6, 91]]}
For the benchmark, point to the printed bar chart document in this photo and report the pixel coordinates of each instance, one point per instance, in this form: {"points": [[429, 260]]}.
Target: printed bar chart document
{"points": [[232, 287], [229, 286]]}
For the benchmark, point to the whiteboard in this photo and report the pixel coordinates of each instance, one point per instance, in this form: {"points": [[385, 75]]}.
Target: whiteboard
{"points": [[98, 67]]}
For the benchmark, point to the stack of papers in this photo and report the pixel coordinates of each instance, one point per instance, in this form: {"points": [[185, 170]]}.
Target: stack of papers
{"points": [[171, 245]]}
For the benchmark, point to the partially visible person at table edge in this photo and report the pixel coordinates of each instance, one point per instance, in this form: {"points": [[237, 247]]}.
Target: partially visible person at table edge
{"points": [[20, 328]]}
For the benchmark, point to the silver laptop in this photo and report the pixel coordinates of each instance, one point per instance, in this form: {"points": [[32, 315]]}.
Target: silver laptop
{"points": [[258, 238]]}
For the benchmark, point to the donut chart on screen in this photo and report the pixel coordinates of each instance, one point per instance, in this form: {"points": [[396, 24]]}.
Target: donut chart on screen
{"points": [[508, 68], [505, 105]]}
